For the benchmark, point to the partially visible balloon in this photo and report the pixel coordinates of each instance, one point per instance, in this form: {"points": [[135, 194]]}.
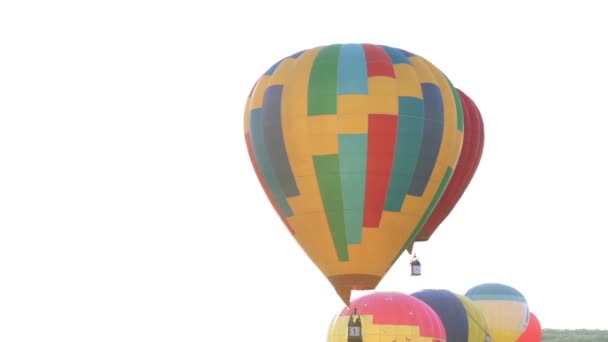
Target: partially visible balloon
{"points": [[462, 320], [470, 156], [389, 316], [354, 144], [505, 308], [534, 331]]}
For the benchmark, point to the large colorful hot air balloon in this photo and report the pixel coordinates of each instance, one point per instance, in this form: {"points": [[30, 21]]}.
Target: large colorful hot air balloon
{"points": [[354, 144], [389, 316], [470, 156], [462, 319], [534, 331], [505, 308]]}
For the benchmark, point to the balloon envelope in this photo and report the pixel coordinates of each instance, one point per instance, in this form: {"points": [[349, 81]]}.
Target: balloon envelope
{"points": [[389, 316], [534, 331], [505, 308], [462, 320], [470, 156], [354, 144]]}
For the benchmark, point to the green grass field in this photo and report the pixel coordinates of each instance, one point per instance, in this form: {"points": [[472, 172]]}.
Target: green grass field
{"points": [[578, 335]]}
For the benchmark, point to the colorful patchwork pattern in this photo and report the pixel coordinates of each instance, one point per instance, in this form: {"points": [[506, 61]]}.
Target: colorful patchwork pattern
{"points": [[354, 144]]}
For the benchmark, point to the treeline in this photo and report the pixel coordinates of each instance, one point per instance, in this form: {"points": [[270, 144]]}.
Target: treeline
{"points": [[577, 335]]}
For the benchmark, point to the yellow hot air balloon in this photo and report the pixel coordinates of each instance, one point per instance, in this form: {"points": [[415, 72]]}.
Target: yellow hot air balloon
{"points": [[354, 145], [505, 309]]}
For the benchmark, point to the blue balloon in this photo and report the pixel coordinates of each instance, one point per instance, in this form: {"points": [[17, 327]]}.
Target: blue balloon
{"points": [[462, 320]]}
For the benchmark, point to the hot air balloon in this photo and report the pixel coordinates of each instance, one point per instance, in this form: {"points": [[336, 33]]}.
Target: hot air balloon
{"points": [[470, 156], [462, 320], [505, 308], [387, 316], [534, 331], [354, 144]]}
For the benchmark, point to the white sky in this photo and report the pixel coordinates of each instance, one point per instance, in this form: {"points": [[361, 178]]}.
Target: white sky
{"points": [[129, 210]]}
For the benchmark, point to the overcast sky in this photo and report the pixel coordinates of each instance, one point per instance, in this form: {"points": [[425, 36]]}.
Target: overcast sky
{"points": [[129, 210]]}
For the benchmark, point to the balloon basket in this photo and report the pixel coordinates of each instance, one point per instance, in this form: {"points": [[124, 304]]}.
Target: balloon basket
{"points": [[416, 271]]}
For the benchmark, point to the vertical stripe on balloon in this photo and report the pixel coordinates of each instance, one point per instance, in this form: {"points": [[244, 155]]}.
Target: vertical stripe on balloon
{"points": [[327, 168], [264, 162], [378, 61], [459, 107], [353, 155], [397, 57], [381, 147], [431, 138], [406, 53], [297, 54], [264, 184], [352, 70], [323, 82], [274, 67], [275, 142], [409, 140]]}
